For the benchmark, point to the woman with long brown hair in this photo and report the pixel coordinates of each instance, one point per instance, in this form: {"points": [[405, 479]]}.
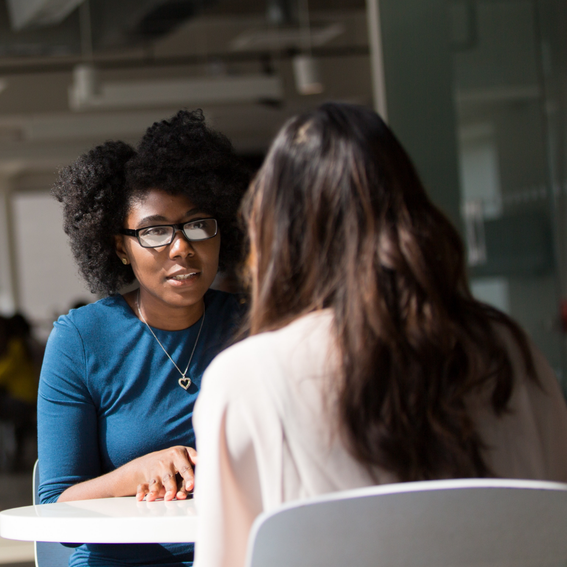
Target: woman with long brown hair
{"points": [[368, 359]]}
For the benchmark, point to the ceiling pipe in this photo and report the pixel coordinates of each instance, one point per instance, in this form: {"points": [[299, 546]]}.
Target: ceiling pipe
{"points": [[28, 13], [112, 63]]}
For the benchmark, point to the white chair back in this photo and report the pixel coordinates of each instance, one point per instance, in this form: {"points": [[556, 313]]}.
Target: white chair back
{"points": [[450, 523]]}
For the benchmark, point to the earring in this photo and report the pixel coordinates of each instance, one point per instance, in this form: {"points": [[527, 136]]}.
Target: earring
{"points": [[124, 261]]}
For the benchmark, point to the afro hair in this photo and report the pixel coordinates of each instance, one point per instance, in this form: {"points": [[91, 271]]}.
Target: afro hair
{"points": [[180, 156]]}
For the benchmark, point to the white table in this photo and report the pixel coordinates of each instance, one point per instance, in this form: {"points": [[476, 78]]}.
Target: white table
{"points": [[105, 520]]}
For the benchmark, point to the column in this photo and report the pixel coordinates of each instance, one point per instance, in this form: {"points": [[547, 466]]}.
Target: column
{"points": [[413, 88], [8, 275]]}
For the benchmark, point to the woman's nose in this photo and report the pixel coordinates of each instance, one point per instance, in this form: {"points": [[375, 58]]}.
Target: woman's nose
{"points": [[181, 246]]}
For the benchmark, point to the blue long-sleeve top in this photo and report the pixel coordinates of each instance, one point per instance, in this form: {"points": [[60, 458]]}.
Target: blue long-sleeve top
{"points": [[108, 394]]}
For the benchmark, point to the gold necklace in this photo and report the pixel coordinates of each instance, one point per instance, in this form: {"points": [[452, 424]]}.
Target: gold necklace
{"points": [[184, 382]]}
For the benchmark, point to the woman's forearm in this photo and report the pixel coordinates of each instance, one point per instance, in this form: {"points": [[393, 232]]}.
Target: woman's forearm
{"points": [[119, 482], [152, 476]]}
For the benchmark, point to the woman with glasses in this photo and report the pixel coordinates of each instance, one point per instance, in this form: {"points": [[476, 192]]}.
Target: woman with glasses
{"points": [[120, 376], [369, 361]]}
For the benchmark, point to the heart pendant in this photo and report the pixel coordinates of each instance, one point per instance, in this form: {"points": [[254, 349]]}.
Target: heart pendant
{"points": [[184, 383]]}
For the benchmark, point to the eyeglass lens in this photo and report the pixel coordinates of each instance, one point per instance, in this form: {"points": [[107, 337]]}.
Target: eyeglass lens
{"points": [[155, 236]]}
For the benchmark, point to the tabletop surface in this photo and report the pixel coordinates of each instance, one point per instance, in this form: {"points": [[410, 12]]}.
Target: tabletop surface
{"points": [[104, 520]]}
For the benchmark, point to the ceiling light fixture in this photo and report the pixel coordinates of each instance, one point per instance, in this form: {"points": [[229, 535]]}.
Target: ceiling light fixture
{"points": [[305, 67], [86, 84], [85, 87], [87, 92], [307, 75]]}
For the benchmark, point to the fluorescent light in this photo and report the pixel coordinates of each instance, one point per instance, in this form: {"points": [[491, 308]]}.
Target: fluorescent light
{"points": [[271, 38], [167, 92]]}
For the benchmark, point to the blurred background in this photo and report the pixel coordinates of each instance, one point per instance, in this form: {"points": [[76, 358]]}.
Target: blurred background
{"points": [[475, 90]]}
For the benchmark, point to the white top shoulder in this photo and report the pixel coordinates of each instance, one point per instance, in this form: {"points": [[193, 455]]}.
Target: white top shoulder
{"points": [[267, 433]]}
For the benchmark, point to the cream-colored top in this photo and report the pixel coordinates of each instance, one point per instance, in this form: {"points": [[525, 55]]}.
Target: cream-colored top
{"points": [[266, 433]]}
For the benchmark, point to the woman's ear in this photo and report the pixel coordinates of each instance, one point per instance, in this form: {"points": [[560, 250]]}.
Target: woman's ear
{"points": [[120, 250]]}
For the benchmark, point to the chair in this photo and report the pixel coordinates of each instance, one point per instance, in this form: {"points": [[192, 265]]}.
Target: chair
{"points": [[7, 445], [48, 554], [450, 523]]}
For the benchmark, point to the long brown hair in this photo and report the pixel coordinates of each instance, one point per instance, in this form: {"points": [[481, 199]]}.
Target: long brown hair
{"points": [[339, 219]]}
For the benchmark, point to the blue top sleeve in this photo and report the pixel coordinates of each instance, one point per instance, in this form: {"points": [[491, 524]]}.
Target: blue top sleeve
{"points": [[68, 441]]}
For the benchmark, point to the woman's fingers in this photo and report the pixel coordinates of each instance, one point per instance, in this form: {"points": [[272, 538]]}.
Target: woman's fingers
{"points": [[156, 490], [169, 473], [151, 491], [181, 490], [186, 473], [188, 460], [141, 491], [169, 482]]}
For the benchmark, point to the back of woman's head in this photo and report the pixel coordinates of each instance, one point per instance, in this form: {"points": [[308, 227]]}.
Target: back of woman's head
{"points": [[338, 202], [339, 219]]}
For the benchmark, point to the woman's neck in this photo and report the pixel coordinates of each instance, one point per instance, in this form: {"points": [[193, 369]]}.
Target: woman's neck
{"points": [[162, 316]]}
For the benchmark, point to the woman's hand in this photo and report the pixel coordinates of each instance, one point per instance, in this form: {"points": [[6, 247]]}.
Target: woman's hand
{"points": [[167, 474]]}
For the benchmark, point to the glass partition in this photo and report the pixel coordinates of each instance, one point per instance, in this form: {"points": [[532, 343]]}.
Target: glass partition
{"points": [[509, 95]]}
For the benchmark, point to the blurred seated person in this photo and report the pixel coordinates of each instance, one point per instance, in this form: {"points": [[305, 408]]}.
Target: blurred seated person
{"points": [[20, 327], [19, 373], [368, 360]]}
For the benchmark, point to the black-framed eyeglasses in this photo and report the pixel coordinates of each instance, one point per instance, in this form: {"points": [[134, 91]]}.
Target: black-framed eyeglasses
{"points": [[163, 234]]}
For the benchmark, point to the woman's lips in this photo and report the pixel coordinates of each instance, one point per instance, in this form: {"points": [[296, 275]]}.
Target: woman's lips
{"points": [[181, 279]]}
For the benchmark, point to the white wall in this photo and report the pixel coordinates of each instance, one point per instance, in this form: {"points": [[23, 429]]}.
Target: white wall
{"points": [[48, 280]]}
